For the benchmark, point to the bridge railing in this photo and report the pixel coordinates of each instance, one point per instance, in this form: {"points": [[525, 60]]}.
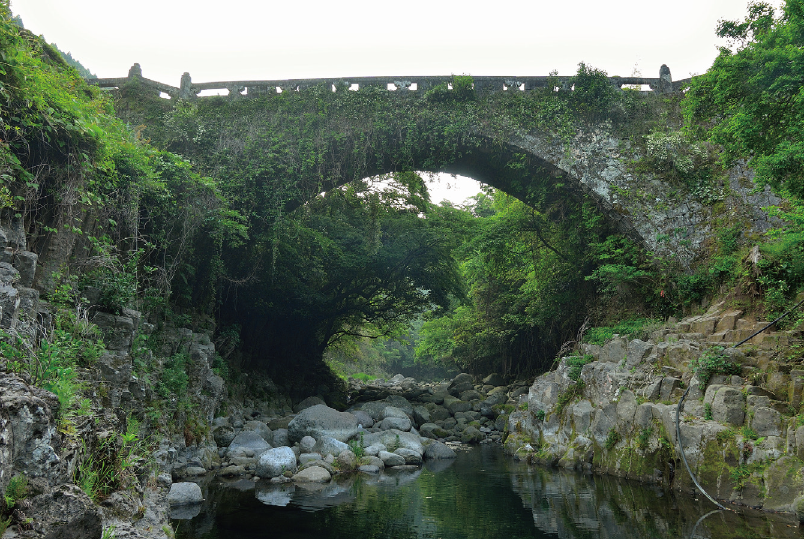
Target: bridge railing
{"points": [[251, 88]]}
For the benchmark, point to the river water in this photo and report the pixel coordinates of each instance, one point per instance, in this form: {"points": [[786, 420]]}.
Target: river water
{"points": [[483, 494]]}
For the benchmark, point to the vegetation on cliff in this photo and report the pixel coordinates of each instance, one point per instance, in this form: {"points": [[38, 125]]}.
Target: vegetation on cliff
{"points": [[187, 211]]}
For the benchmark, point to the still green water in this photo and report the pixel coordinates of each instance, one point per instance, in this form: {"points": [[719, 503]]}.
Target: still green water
{"points": [[483, 494]]}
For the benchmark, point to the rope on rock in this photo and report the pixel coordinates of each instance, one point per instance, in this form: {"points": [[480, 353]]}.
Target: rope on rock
{"points": [[681, 402]]}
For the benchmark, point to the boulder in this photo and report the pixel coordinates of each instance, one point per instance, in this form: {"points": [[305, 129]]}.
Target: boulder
{"points": [[260, 428], [439, 451], [307, 444], [410, 456], [496, 398], [223, 435], [462, 382], [64, 513], [766, 421], [193, 471], [327, 445], [471, 435], [306, 458], [397, 401], [307, 403], [439, 413], [393, 411], [395, 439], [372, 461], [184, 493], [363, 419], [347, 461], [279, 423], [313, 474], [275, 462], [399, 423], [280, 437], [421, 415], [374, 449], [232, 471], [247, 444], [457, 405], [391, 459], [431, 430], [321, 420], [374, 409]]}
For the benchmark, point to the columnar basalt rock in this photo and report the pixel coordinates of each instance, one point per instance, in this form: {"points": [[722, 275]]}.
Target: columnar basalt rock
{"points": [[620, 417]]}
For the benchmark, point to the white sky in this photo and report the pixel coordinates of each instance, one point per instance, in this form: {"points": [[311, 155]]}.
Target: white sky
{"points": [[272, 39]]}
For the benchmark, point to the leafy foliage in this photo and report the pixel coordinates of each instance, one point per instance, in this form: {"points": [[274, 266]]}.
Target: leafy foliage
{"points": [[750, 100], [112, 463], [575, 364], [612, 438], [16, 490], [635, 328], [174, 378], [574, 391], [526, 276], [712, 362]]}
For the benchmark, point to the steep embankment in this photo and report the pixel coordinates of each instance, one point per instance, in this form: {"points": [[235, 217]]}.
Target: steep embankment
{"points": [[613, 410], [87, 455]]}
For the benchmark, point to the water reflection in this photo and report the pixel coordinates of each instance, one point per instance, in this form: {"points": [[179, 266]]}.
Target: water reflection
{"points": [[481, 495]]}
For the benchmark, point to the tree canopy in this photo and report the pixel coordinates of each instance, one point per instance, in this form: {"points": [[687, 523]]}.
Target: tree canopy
{"points": [[751, 101]]}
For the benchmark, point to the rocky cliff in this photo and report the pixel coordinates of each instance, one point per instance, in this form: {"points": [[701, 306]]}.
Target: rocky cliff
{"points": [[612, 410]]}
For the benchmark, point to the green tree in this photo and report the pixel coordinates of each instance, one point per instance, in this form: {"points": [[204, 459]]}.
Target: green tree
{"points": [[751, 100], [354, 262]]}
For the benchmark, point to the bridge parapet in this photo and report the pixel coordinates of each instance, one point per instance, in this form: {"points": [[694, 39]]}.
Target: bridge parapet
{"points": [[251, 88]]}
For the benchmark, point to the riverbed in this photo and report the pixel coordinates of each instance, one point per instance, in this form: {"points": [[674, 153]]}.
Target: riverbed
{"points": [[482, 494]]}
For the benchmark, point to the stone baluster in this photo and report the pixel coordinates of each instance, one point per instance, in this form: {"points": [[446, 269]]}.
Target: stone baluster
{"points": [[186, 87], [665, 80], [135, 71]]}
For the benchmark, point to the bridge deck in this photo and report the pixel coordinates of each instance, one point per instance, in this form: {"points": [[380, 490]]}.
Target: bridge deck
{"points": [[189, 89]]}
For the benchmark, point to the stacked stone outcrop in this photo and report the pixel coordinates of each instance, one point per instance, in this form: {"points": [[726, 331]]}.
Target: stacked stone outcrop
{"points": [[741, 432]]}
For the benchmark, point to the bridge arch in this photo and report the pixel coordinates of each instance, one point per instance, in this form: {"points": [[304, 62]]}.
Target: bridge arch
{"points": [[271, 152], [374, 131]]}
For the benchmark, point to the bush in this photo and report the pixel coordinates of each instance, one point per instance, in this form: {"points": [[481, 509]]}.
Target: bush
{"points": [[174, 376], [712, 362], [611, 439], [593, 94], [644, 437], [462, 90], [16, 490], [635, 328], [357, 448], [575, 364], [568, 395]]}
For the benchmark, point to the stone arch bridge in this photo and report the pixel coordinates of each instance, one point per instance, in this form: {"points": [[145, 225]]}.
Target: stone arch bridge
{"points": [[530, 163]]}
